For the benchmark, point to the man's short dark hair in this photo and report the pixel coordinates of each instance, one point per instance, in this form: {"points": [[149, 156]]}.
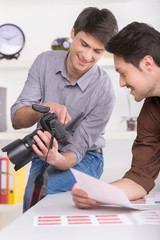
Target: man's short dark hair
{"points": [[101, 24], [135, 41]]}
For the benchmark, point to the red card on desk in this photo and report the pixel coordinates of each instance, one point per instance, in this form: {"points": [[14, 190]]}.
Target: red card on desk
{"points": [[81, 220], [4, 180]]}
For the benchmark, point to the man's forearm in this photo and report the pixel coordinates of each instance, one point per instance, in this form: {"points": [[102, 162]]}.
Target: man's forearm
{"points": [[133, 190], [70, 160], [25, 117]]}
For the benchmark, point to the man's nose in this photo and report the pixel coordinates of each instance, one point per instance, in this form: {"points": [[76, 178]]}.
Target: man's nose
{"points": [[88, 54], [122, 82]]}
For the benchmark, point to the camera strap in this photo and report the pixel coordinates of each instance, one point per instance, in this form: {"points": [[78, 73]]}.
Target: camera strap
{"points": [[39, 181]]}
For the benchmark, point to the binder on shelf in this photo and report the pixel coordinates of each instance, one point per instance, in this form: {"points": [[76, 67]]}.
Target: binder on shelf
{"points": [[11, 184], [16, 184], [3, 107], [4, 180], [0, 179]]}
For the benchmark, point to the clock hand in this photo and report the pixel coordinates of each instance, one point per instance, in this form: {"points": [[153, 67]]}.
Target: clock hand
{"points": [[8, 38], [12, 37]]}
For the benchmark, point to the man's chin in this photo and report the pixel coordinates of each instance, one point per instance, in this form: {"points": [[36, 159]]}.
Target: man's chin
{"points": [[138, 99]]}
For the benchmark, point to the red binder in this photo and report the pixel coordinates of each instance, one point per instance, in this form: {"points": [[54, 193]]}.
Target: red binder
{"points": [[0, 179], [4, 180]]}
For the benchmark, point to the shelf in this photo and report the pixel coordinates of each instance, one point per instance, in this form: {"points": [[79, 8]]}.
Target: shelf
{"points": [[4, 207], [9, 213], [24, 64], [120, 135], [14, 64], [12, 135], [108, 135]]}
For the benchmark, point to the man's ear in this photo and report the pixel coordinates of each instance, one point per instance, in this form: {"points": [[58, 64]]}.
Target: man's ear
{"points": [[72, 33], [147, 62]]}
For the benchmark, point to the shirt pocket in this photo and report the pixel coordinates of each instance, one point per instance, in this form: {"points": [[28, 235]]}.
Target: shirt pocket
{"points": [[76, 119]]}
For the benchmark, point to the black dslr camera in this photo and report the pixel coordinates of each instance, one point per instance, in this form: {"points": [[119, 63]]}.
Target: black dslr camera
{"points": [[20, 152]]}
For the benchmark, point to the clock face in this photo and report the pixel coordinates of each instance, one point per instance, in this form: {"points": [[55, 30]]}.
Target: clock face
{"points": [[11, 39]]}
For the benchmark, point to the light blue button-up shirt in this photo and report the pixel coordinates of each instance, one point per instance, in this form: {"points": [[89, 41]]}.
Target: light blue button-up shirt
{"points": [[89, 101]]}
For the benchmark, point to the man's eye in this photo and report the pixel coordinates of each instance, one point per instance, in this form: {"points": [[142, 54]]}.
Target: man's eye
{"points": [[84, 44], [123, 74], [98, 51]]}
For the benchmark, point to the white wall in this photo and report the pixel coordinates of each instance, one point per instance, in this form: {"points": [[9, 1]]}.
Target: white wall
{"points": [[43, 21]]}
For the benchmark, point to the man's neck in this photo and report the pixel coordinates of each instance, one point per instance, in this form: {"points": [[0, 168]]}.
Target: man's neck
{"points": [[73, 74]]}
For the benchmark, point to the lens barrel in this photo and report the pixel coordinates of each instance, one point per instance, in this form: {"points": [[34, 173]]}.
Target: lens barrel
{"points": [[18, 153]]}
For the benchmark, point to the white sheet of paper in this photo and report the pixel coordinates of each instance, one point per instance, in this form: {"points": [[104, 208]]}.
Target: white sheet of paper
{"points": [[148, 217], [101, 191]]}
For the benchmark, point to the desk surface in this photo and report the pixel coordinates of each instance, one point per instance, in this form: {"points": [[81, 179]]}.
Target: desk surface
{"points": [[61, 204]]}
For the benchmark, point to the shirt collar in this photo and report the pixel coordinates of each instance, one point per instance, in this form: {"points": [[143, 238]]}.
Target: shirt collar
{"points": [[85, 80], [82, 82], [61, 66]]}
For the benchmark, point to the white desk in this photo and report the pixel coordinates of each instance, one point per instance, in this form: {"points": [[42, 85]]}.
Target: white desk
{"points": [[61, 204]]}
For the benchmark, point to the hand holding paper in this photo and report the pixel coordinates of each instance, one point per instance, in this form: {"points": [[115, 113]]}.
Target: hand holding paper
{"points": [[101, 191]]}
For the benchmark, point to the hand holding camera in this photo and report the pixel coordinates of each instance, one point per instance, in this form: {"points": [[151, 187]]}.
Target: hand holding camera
{"points": [[42, 145], [20, 152]]}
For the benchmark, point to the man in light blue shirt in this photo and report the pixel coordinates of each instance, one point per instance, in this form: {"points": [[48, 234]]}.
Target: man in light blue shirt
{"points": [[82, 96]]}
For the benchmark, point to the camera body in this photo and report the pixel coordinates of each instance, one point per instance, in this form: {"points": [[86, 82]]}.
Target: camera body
{"points": [[20, 151]]}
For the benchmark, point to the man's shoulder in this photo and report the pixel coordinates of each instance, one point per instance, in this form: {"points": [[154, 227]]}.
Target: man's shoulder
{"points": [[53, 54], [99, 73], [103, 79], [102, 83], [152, 102], [50, 59], [150, 111]]}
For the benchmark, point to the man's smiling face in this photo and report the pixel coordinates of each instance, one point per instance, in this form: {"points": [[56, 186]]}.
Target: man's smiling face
{"points": [[136, 79], [85, 51]]}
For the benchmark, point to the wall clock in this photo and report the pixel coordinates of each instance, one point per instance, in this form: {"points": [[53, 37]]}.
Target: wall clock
{"points": [[12, 41]]}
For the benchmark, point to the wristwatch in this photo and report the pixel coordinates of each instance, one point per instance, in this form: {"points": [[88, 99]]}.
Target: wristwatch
{"points": [[12, 41]]}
